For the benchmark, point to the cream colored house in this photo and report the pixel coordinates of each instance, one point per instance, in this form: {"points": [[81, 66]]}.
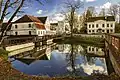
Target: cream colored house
{"points": [[29, 25], [101, 25], [63, 27]]}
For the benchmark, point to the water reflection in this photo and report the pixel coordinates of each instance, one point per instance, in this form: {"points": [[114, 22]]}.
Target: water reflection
{"points": [[62, 59]]}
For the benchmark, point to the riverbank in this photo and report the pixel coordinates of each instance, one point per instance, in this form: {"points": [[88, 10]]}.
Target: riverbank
{"points": [[82, 40]]}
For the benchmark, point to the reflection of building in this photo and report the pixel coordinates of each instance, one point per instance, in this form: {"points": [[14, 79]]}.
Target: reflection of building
{"points": [[94, 50], [101, 25]]}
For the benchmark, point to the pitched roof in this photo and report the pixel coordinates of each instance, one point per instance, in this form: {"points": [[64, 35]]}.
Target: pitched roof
{"points": [[42, 19], [39, 26], [27, 18], [107, 18]]}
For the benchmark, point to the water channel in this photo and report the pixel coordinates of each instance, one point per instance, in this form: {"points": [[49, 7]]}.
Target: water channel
{"points": [[62, 59]]}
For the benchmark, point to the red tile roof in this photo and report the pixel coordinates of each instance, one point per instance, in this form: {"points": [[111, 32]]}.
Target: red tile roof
{"points": [[34, 19], [39, 26], [27, 18]]}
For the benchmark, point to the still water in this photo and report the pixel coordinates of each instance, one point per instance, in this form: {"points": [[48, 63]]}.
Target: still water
{"points": [[62, 59]]}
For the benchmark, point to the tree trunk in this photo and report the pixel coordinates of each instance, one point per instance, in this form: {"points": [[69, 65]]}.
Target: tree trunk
{"points": [[1, 6], [72, 59], [72, 20]]}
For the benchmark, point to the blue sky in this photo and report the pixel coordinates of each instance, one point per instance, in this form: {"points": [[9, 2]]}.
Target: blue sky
{"points": [[53, 8]]}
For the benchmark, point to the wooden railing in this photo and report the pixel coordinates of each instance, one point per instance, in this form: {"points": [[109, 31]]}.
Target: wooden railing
{"points": [[16, 40]]}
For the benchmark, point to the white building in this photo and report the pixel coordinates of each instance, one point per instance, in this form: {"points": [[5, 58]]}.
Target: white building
{"points": [[63, 27], [29, 25], [101, 25]]}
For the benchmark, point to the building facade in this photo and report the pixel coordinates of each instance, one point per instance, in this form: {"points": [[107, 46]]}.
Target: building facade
{"points": [[63, 27], [28, 25], [101, 25]]}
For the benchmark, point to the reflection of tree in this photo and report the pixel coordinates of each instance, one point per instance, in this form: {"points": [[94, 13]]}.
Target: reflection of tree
{"points": [[71, 57]]}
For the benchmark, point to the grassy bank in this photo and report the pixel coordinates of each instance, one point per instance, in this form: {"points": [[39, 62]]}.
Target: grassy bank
{"points": [[4, 53], [82, 40]]}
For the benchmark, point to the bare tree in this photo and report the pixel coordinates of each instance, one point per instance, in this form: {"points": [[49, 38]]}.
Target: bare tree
{"points": [[5, 13], [92, 11], [72, 7], [113, 10], [102, 12]]}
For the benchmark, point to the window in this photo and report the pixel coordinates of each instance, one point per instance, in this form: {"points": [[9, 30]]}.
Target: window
{"points": [[111, 30], [38, 32], [97, 25], [111, 25], [89, 30], [107, 25], [107, 31], [103, 30], [93, 26], [15, 26], [96, 49], [29, 25], [16, 33], [89, 49], [29, 32], [41, 32], [92, 49], [103, 25], [93, 31], [89, 26]]}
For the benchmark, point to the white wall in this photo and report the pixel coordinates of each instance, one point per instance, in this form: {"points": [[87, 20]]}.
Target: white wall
{"points": [[23, 29], [61, 28], [100, 23], [47, 24], [41, 32]]}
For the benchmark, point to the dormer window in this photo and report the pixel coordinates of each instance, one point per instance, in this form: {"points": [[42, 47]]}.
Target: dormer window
{"points": [[15, 26], [29, 25]]}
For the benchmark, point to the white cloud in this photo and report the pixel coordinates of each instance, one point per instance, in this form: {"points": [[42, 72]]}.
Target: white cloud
{"points": [[106, 5], [90, 0], [57, 17], [39, 11], [90, 68]]}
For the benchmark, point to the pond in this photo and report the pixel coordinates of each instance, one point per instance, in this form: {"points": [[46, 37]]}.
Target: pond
{"points": [[62, 59]]}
